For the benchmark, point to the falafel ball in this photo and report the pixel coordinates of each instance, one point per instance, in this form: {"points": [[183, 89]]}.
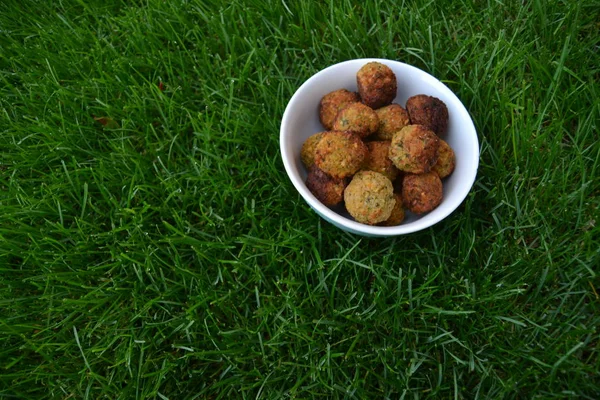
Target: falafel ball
{"points": [[392, 118], [422, 193], [429, 111], [378, 160], [414, 149], [332, 102], [328, 190], [307, 153], [369, 197], [397, 215], [446, 160], [377, 85], [357, 118], [340, 154]]}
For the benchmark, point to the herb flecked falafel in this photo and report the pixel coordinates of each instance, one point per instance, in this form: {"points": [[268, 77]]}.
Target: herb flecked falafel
{"points": [[332, 102], [414, 149], [357, 118], [369, 197]]}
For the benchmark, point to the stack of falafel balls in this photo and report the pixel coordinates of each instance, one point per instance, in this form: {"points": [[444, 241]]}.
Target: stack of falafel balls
{"points": [[376, 157]]}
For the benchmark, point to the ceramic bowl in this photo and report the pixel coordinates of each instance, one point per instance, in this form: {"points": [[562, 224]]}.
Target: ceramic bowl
{"points": [[301, 120]]}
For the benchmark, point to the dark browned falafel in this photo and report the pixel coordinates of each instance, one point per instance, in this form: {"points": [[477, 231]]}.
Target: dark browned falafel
{"points": [[428, 111], [328, 190], [377, 84], [422, 193]]}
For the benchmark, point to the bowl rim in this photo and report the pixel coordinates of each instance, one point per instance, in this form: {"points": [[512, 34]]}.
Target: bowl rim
{"points": [[371, 230]]}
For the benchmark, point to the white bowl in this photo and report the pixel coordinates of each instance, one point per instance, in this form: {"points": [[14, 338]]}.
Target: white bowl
{"points": [[301, 120]]}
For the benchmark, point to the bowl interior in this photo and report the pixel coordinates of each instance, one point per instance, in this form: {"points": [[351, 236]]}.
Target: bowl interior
{"points": [[301, 120]]}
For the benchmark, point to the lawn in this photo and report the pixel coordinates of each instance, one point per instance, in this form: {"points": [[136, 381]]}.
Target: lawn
{"points": [[152, 245]]}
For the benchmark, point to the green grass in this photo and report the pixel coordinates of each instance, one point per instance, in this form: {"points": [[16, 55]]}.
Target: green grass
{"points": [[167, 255]]}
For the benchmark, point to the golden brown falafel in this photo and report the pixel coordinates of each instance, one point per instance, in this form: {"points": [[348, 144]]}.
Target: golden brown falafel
{"points": [[428, 111], [369, 197], [328, 190], [392, 118], [340, 154], [332, 102], [446, 160], [414, 149], [397, 215], [357, 118], [307, 153], [377, 160], [377, 85], [422, 193]]}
